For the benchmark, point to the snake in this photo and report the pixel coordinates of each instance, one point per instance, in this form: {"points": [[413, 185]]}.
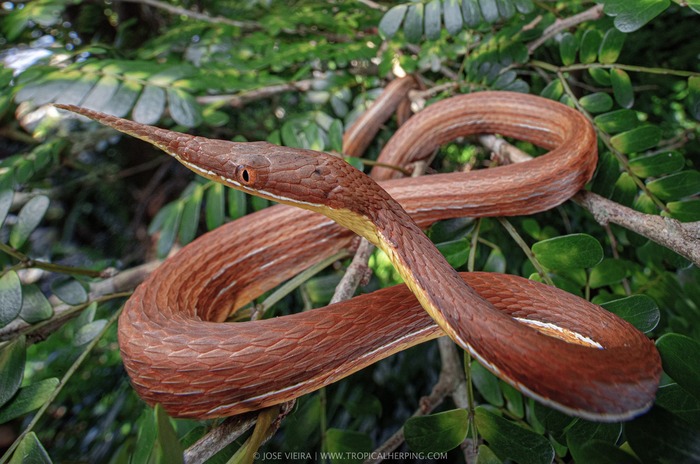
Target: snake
{"points": [[552, 346]]}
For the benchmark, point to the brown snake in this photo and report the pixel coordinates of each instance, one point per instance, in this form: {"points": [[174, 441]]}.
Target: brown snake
{"points": [[179, 353]]}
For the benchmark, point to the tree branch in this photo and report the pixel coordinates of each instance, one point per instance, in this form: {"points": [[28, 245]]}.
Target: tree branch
{"points": [[559, 25], [176, 10], [124, 281], [243, 98], [682, 238]]}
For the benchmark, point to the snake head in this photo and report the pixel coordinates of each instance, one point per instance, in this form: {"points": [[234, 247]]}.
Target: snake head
{"points": [[303, 178]]}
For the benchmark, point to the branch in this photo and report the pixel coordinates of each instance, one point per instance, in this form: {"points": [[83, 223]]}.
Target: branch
{"points": [[241, 99], [559, 25], [450, 382], [124, 281], [682, 238], [176, 10]]}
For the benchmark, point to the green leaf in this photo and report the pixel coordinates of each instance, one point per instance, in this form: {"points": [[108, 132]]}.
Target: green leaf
{"points": [[30, 451], [432, 20], [607, 174], [123, 100], [150, 105], [86, 333], [347, 445], [413, 25], [496, 262], [639, 310], [506, 9], [471, 12], [630, 16], [183, 108], [391, 21], [524, 6], [694, 5], [489, 10], [607, 272], [602, 452], [552, 420], [436, 433], [456, 252], [676, 186], [685, 211], [625, 190], [694, 95], [146, 437], [28, 399], [510, 441], [582, 432], [167, 445], [636, 140], [335, 136], [5, 204], [100, 95], [600, 75], [657, 164], [12, 357], [487, 384], [452, 16], [622, 88], [598, 102], [611, 46], [590, 43], [189, 222], [514, 400], [674, 398], [486, 456], [28, 219], [574, 251], [168, 231], [35, 305], [236, 203], [554, 90], [10, 297], [214, 210], [660, 433], [568, 46], [679, 355], [70, 291]]}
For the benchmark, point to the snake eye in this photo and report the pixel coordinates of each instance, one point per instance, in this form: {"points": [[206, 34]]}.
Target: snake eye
{"points": [[244, 175]]}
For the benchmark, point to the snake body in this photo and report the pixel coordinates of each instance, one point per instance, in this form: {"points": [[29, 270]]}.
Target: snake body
{"points": [[552, 346]]}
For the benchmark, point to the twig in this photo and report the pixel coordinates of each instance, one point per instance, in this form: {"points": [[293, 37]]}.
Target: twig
{"points": [[625, 67], [682, 238], [451, 380], [559, 25], [241, 99], [121, 282], [373, 5], [357, 272], [224, 434], [176, 10]]}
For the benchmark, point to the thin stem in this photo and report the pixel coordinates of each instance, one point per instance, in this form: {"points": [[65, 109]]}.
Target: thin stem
{"points": [[26, 262], [286, 288], [472, 248], [69, 373], [526, 249], [625, 67]]}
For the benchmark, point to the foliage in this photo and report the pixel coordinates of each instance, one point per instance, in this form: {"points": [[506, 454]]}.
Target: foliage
{"points": [[78, 201]]}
